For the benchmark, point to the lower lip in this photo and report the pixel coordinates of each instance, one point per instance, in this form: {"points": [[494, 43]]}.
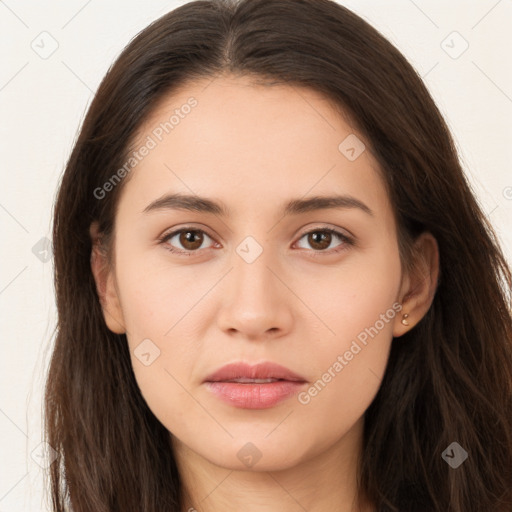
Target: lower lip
{"points": [[254, 396]]}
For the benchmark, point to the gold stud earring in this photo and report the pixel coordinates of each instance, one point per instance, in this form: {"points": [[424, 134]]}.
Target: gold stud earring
{"points": [[404, 321]]}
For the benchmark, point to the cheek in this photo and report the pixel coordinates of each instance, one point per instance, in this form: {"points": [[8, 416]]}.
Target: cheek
{"points": [[350, 356], [158, 305], [162, 351], [348, 372], [156, 298], [352, 296]]}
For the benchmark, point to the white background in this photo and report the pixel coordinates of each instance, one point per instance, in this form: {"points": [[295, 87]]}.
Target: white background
{"points": [[42, 102]]}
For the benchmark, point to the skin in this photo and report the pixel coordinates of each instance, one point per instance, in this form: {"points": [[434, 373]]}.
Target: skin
{"points": [[254, 148]]}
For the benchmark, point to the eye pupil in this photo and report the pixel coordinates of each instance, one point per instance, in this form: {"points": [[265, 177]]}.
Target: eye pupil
{"points": [[186, 238], [320, 239]]}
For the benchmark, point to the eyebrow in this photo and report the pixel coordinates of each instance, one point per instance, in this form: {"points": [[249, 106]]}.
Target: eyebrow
{"points": [[294, 207]]}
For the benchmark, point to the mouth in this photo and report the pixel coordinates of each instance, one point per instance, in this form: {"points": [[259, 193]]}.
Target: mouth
{"points": [[254, 387]]}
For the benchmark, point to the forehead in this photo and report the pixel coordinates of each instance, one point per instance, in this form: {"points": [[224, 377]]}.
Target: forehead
{"points": [[231, 138]]}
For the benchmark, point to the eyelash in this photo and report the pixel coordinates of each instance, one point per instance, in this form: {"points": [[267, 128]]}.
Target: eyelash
{"points": [[347, 241]]}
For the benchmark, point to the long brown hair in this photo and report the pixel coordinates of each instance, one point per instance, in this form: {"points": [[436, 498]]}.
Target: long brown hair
{"points": [[448, 380]]}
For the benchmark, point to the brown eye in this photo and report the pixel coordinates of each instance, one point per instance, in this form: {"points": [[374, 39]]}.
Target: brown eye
{"points": [[191, 240], [320, 239], [184, 240]]}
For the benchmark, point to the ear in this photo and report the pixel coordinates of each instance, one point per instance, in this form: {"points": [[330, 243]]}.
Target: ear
{"points": [[105, 283], [419, 286]]}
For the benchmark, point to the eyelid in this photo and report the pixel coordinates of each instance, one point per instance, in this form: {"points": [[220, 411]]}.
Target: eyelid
{"points": [[326, 227], [187, 227]]}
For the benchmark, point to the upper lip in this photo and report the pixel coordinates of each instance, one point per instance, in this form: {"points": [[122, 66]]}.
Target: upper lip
{"points": [[266, 370]]}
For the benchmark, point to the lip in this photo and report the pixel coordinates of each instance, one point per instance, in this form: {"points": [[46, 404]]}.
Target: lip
{"points": [[254, 395], [266, 370]]}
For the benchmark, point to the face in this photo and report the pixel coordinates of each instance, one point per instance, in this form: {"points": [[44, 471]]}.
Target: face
{"points": [[250, 281]]}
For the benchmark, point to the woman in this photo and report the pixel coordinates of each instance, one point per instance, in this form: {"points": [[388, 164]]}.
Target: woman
{"points": [[276, 290]]}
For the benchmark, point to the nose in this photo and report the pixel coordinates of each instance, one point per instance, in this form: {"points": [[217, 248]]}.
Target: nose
{"points": [[256, 303]]}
